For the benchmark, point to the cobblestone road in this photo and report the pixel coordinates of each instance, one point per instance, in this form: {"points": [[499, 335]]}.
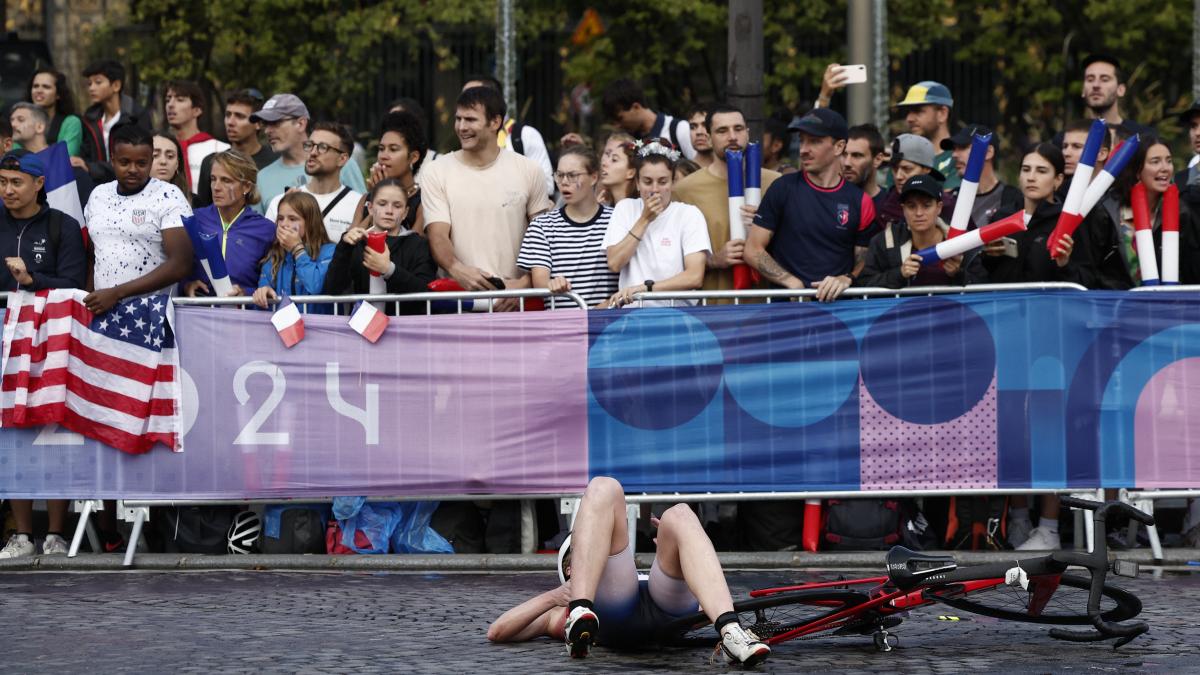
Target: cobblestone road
{"points": [[201, 622]]}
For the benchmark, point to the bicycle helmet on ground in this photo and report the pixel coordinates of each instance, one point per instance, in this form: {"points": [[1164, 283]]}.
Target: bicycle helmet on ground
{"points": [[244, 533]]}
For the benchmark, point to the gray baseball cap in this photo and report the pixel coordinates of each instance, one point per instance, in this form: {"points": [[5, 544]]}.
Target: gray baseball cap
{"points": [[916, 149], [280, 106]]}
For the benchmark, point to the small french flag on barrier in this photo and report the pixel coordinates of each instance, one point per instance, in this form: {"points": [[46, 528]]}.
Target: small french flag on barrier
{"points": [[289, 323], [368, 321]]}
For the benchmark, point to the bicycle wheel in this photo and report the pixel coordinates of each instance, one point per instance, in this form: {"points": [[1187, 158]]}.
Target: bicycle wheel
{"points": [[1067, 606], [767, 617]]}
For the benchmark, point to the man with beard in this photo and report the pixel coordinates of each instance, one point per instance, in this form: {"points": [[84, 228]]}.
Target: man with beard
{"points": [[286, 120], [1103, 89], [327, 152], [708, 190], [865, 153], [813, 227], [926, 110]]}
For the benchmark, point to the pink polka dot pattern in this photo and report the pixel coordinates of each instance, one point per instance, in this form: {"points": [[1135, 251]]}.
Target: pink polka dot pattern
{"points": [[960, 453]]}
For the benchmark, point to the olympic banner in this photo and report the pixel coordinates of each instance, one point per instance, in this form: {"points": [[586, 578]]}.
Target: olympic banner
{"points": [[439, 405], [1009, 390], [975, 391]]}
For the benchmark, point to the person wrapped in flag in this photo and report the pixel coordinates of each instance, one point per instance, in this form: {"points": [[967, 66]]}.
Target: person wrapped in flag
{"points": [[1108, 236], [42, 248], [229, 237], [406, 266], [299, 259], [892, 258]]}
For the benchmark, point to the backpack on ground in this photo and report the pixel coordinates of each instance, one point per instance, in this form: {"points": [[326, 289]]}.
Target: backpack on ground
{"points": [[195, 529], [862, 524], [978, 524], [294, 529]]}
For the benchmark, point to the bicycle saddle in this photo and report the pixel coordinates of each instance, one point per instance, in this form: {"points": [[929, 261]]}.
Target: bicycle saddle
{"points": [[907, 568]]}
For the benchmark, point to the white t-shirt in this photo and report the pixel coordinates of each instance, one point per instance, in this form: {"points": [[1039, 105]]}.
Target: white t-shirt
{"points": [[340, 217], [126, 230], [196, 152], [106, 126], [677, 232]]}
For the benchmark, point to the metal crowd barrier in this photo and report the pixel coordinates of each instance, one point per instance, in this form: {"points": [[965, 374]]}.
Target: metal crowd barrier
{"points": [[137, 511], [1142, 499], [808, 294]]}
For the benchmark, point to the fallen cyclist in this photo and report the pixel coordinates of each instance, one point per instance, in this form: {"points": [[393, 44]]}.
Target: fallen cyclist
{"points": [[602, 600]]}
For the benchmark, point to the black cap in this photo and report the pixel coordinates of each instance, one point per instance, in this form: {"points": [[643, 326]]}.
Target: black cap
{"points": [[923, 184], [822, 122], [962, 137]]}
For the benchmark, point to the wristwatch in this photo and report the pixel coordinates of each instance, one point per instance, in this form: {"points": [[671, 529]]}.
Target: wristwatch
{"points": [[649, 285]]}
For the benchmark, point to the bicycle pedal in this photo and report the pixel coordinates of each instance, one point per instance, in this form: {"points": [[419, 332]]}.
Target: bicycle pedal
{"points": [[1126, 568]]}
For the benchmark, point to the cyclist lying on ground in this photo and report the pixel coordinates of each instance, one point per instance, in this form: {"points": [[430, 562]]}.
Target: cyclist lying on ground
{"points": [[603, 601]]}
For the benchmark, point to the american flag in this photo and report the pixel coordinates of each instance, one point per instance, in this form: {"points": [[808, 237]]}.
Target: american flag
{"points": [[111, 377]]}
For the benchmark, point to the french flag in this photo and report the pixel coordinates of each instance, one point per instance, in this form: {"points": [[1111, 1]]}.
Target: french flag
{"points": [[213, 262], [288, 322], [368, 321], [61, 191]]}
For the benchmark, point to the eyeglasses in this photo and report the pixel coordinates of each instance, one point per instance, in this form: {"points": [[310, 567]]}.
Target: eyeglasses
{"points": [[321, 148], [569, 178], [254, 94]]}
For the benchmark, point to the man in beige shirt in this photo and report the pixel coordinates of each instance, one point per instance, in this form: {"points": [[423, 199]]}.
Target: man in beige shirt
{"points": [[708, 190], [478, 200]]}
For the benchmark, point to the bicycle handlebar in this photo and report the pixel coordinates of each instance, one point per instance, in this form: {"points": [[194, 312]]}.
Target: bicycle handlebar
{"points": [[1097, 563], [1102, 509]]}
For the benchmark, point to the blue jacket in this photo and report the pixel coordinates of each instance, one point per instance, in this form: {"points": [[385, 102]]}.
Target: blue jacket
{"points": [[301, 276], [249, 239]]}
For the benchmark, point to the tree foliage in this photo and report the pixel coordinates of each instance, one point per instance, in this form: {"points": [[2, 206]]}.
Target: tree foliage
{"points": [[330, 50]]}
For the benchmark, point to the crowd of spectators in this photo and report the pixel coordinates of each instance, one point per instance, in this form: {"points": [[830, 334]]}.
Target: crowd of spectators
{"points": [[644, 209]]}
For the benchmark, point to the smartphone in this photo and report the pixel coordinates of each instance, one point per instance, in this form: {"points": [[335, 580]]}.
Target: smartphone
{"points": [[1010, 246], [855, 74], [497, 282]]}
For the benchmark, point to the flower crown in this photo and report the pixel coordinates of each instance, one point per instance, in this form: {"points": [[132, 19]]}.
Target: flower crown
{"points": [[656, 146]]}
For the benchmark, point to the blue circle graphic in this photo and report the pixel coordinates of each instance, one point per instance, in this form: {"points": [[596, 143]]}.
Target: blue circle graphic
{"points": [[655, 368], [928, 360], [790, 365]]}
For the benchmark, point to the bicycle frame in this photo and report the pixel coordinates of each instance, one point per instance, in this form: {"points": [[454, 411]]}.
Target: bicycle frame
{"points": [[905, 588]]}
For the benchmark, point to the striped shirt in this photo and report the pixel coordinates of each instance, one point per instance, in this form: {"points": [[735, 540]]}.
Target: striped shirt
{"points": [[573, 250]]}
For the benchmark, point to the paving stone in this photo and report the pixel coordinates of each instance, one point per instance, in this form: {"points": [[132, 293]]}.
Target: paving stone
{"points": [[301, 622]]}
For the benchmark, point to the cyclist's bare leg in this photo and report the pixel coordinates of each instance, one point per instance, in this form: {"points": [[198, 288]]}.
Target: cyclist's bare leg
{"points": [[685, 552], [600, 531]]}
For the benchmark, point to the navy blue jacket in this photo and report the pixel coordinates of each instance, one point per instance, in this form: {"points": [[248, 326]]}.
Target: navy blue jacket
{"points": [[51, 266]]}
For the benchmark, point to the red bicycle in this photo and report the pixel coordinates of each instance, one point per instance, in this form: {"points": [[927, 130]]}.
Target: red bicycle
{"points": [[1036, 590]]}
